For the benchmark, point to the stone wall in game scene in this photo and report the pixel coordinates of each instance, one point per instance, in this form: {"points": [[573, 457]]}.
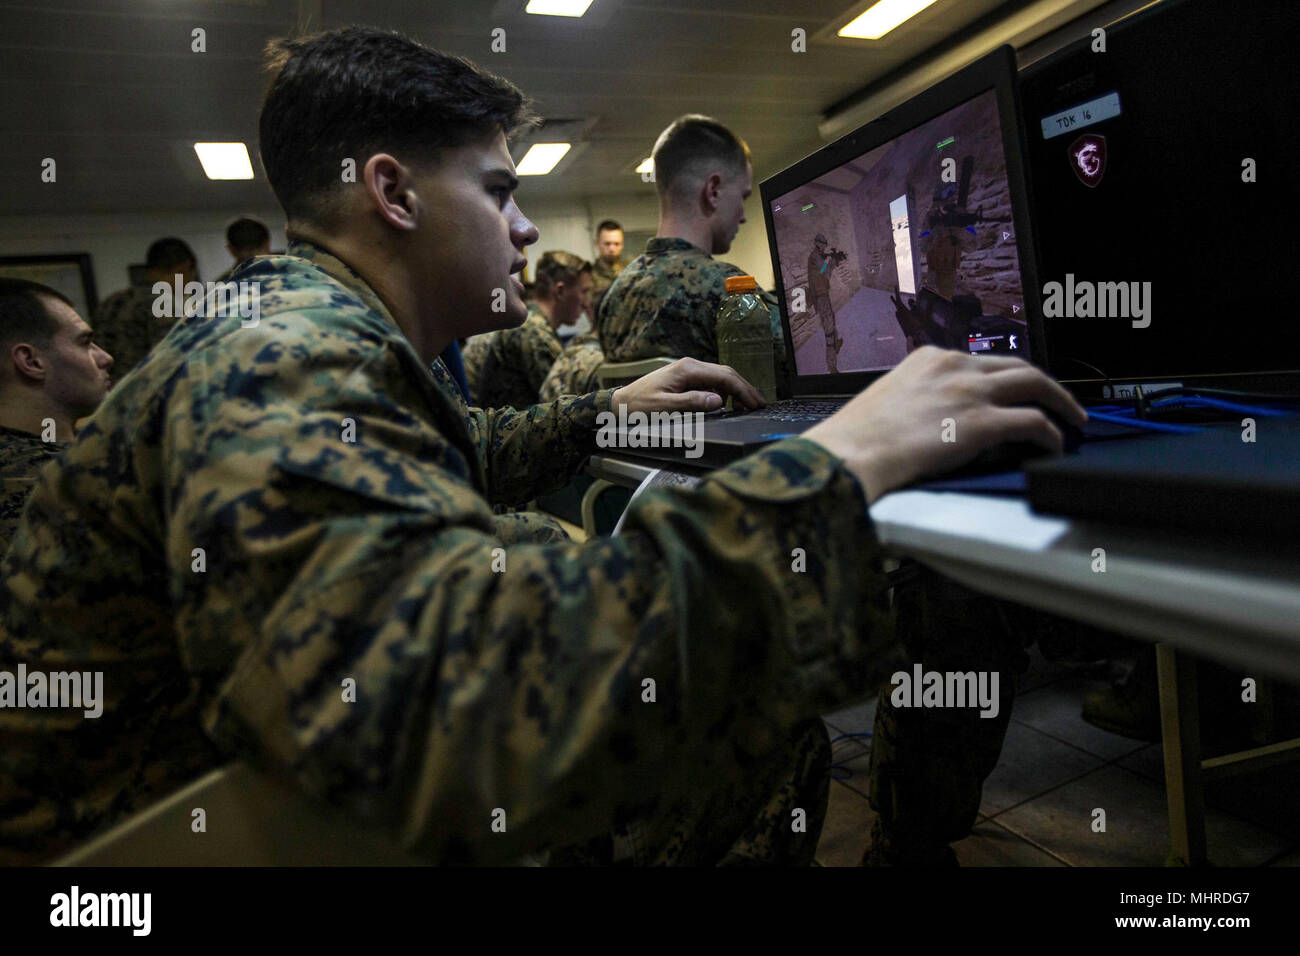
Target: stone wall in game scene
{"points": [[993, 270], [871, 220], [832, 217], [989, 269]]}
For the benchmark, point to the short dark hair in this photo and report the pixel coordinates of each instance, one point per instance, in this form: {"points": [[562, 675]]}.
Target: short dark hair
{"points": [[607, 226], [690, 148], [352, 92], [247, 234], [556, 267], [168, 253], [24, 317]]}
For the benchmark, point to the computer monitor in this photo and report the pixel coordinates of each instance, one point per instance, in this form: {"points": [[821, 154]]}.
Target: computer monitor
{"points": [[909, 231], [1161, 170]]}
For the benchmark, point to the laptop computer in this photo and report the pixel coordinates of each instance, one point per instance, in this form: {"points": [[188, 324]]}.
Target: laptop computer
{"points": [[912, 230]]}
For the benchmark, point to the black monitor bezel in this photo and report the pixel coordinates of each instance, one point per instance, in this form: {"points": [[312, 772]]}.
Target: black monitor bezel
{"points": [[995, 71], [1280, 378]]}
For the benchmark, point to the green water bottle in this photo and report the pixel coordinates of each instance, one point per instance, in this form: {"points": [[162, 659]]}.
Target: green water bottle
{"points": [[745, 335]]}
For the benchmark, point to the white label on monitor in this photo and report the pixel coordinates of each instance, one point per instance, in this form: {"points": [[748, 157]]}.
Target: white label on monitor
{"points": [[1085, 114], [900, 223]]}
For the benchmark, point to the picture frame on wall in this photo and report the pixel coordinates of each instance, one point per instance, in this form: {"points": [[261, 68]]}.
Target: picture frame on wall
{"points": [[69, 273]]}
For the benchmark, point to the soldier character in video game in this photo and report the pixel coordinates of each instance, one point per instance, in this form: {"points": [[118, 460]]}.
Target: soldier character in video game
{"points": [[939, 314], [821, 263]]}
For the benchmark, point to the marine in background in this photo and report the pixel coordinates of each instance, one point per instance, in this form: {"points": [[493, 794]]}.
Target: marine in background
{"points": [[665, 303], [245, 238], [125, 324], [608, 264], [506, 368], [51, 375]]}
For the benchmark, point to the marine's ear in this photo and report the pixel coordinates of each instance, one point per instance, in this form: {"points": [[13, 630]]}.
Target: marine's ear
{"points": [[712, 191], [389, 189], [27, 361]]}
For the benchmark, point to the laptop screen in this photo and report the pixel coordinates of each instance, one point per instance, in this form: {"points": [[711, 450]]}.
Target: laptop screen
{"points": [[907, 244]]}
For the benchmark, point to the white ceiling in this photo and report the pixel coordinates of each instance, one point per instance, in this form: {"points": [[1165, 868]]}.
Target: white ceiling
{"points": [[112, 91]]}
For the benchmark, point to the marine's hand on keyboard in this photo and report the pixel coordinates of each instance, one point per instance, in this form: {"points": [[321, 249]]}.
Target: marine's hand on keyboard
{"points": [[939, 409], [688, 385]]}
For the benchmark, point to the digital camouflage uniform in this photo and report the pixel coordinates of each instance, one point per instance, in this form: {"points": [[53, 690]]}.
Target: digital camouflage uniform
{"points": [[602, 277], [574, 372], [126, 328], [230, 272], [506, 368], [666, 302], [472, 352], [264, 514], [21, 456]]}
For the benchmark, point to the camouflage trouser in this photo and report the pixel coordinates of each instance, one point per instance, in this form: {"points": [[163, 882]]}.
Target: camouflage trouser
{"points": [[822, 306], [749, 822], [928, 764], [742, 822]]}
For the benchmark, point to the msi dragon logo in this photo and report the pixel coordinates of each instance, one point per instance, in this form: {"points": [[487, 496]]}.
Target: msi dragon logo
{"points": [[1088, 158]]}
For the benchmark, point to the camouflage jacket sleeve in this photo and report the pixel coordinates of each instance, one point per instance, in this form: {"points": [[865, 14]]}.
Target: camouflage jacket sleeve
{"points": [[376, 640], [534, 451]]}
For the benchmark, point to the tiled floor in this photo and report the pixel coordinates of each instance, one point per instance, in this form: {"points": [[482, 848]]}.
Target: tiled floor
{"points": [[1055, 771]]}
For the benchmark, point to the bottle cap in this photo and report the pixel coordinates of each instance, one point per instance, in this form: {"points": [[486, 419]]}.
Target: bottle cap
{"points": [[741, 284]]}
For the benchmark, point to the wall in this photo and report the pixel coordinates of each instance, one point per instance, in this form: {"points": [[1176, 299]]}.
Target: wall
{"points": [[117, 241], [571, 226]]}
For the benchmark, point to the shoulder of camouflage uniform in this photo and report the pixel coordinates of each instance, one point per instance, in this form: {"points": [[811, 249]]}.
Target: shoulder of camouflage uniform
{"points": [[21, 453], [709, 271], [476, 346], [296, 297], [538, 347], [538, 330], [574, 372], [296, 284], [473, 355], [730, 270]]}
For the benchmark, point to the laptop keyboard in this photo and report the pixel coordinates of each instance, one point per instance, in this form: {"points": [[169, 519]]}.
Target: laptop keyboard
{"points": [[799, 410]]}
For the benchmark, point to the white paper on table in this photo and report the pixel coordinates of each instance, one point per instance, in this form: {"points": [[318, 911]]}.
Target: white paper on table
{"points": [[659, 478]]}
